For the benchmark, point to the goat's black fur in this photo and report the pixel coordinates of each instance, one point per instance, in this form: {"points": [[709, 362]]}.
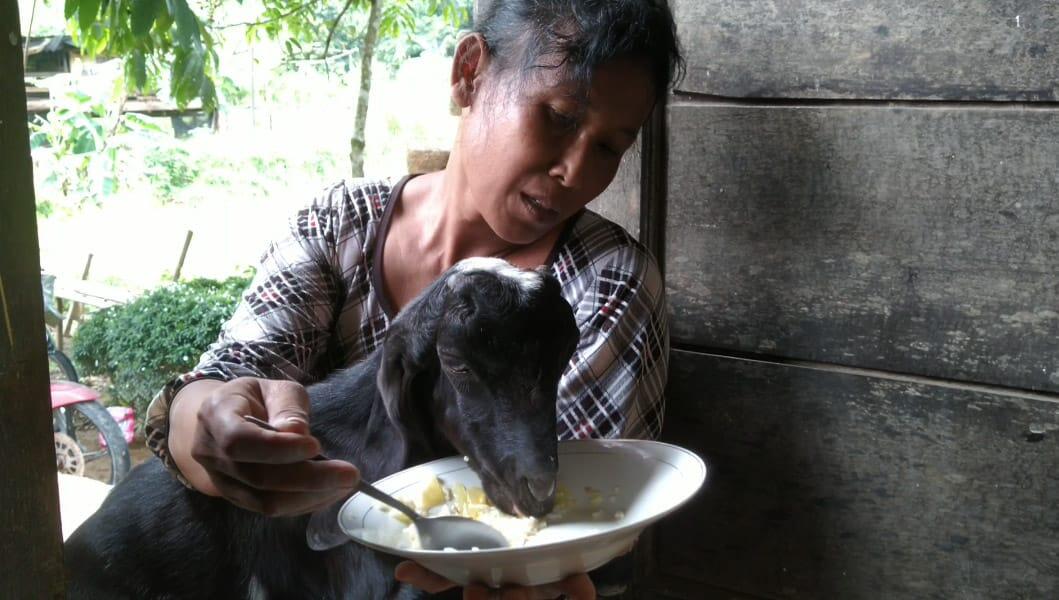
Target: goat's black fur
{"points": [[470, 367]]}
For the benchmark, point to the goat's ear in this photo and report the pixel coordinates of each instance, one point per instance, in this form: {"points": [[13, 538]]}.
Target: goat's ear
{"points": [[408, 355], [402, 362], [394, 380]]}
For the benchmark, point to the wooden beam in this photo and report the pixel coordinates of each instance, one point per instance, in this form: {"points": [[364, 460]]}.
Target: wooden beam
{"points": [[31, 545]]}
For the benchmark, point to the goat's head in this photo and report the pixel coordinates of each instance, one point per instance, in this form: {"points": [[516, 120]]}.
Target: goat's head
{"points": [[478, 356]]}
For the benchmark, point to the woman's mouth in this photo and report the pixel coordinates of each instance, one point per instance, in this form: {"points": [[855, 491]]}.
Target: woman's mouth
{"points": [[538, 210]]}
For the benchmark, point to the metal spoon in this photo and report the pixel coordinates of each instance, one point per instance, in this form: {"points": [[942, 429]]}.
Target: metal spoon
{"points": [[435, 533]]}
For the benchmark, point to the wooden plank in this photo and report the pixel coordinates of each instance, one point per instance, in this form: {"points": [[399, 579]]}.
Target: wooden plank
{"points": [[621, 200], [933, 49], [152, 108], [921, 241], [837, 485], [653, 182], [92, 293], [31, 543]]}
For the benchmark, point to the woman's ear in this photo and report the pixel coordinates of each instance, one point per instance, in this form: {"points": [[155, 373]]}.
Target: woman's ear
{"points": [[468, 66]]}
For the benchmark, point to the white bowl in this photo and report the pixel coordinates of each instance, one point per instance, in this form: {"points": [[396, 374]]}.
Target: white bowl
{"points": [[640, 482]]}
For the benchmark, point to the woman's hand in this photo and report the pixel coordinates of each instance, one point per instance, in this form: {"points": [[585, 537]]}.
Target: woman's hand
{"points": [[575, 587], [264, 471]]}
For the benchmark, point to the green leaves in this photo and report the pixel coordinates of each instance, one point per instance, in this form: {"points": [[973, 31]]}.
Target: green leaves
{"points": [[143, 16], [87, 12], [187, 24], [149, 35], [136, 69], [188, 72], [155, 35]]}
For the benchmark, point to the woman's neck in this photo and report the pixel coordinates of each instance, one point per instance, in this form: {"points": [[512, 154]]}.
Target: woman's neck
{"points": [[450, 227]]}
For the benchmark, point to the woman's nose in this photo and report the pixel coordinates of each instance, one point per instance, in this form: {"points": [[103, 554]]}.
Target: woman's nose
{"points": [[569, 167]]}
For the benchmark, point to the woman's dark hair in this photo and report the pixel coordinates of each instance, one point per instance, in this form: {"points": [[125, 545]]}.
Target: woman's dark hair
{"points": [[584, 34]]}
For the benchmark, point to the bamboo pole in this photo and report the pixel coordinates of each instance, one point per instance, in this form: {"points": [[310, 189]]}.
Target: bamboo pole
{"points": [[183, 255]]}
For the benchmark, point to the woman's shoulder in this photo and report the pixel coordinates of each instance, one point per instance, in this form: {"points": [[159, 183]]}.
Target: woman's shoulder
{"points": [[361, 197], [595, 243], [344, 211], [599, 261]]}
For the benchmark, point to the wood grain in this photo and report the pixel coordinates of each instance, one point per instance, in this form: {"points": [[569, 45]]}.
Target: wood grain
{"points": [[621, 200], [31, 543], [920, 241], [837, 485], [879, 49]]}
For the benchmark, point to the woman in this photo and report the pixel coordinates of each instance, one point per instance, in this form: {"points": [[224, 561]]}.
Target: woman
{"points": [[552, 94]]}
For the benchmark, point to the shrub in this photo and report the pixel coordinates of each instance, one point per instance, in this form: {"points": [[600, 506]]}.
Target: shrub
{"points": [[169, 169], [141, 345]]}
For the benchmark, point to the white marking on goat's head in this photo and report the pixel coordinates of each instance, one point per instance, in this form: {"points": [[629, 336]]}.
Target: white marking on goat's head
{"points": [[527, 281]]}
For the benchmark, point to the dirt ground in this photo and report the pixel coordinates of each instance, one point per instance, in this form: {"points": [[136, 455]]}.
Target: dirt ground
{"points": [[100, 470]]}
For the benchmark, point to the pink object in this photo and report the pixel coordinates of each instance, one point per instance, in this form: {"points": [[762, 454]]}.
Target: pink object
{"points": [[126, 419], [65, 393]]}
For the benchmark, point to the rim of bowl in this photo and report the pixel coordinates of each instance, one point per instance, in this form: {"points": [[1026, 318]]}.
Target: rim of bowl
{"points": [[641, 524]]}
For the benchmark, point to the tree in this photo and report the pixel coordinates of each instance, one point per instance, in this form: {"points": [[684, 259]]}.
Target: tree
{"points": [[154, 36]]}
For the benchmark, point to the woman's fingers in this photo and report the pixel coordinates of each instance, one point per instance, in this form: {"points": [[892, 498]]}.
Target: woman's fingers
{"points": [[305, 476], [578, 587], [417, 576], [275, 504], [225, 434], [287, 405], [261, 470], [575, 587]]}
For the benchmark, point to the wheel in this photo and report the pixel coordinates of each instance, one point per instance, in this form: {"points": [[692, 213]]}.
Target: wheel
{"points": [[88, 424], [68, 456], [60, 368]]}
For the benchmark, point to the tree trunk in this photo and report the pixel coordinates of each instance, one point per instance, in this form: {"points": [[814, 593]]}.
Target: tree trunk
{"points": [[356, 143]]}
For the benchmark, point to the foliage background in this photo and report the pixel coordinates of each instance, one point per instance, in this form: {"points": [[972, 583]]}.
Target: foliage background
{"points": [[125, 188], [141, 345]]}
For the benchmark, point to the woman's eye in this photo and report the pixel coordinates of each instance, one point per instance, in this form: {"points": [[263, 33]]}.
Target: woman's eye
{"points": [[563, 120]]}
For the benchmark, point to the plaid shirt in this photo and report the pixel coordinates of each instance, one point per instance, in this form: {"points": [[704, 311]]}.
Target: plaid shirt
{"points": [[314, 306]]}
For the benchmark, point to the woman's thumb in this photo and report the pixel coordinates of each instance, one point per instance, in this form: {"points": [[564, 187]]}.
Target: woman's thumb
{"points": [[287, 404]]}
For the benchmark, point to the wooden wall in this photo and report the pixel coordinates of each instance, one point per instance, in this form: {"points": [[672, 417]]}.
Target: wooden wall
{"points": [[861, 246], [31, 541]]}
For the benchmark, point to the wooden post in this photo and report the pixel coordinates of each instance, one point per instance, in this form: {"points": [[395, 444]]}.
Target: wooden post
{"points": [[183, 255], [75, 310], [31, 544]]}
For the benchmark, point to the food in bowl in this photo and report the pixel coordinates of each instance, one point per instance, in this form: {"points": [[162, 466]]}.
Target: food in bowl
{"points": [[438, 499]]}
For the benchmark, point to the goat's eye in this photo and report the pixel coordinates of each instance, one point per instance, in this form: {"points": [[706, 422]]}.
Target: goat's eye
{"points": [[454, 365]]}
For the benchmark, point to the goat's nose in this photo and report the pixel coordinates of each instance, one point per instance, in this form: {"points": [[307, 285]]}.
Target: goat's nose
{"points": [[541, 487]]}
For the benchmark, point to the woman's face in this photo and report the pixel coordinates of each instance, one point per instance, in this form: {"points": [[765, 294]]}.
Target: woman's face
{"points": [[534, 152]]}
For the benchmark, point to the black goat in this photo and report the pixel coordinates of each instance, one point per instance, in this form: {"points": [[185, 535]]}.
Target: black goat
{"points": [[470, 367]]}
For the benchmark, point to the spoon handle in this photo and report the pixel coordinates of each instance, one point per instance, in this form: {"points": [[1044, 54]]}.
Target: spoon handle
{"points": [[363, 486], [266, 425], [382, 496]]}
